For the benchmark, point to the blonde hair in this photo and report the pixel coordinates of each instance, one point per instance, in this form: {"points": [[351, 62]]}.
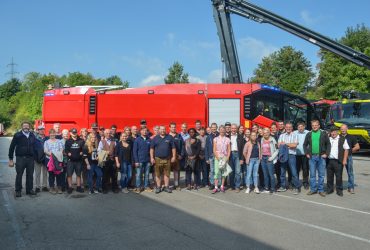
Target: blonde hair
{"points": [[90, 145], [124, 133]]}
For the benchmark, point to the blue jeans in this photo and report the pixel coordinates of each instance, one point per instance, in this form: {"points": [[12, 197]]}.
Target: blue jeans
{"points": [[126, 173], [252, 169], [234, 162], [143, 168], [212, 172], [291, 163], [204, 171], [351, 177], [94, 168], [268, 173], [317, 164]]}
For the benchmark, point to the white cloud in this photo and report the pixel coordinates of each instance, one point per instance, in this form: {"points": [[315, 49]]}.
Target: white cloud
{"points": [[254, 49], [215, 76], [308, 19], [152, 80]]}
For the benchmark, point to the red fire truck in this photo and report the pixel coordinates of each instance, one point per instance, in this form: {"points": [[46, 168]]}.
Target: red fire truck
{"points": [[243, 104]]}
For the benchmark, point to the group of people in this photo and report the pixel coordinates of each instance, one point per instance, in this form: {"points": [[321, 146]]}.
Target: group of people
{"points": [[219, 158]]}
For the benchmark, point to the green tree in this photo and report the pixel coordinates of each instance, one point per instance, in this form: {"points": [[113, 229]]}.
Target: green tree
{"points": [[10, 88], [176, 74], [287, 69], [116, 80], [336, 74]]}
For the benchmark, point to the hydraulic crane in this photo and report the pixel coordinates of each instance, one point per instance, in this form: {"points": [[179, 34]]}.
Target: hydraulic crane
{"points": [[229, 55]]}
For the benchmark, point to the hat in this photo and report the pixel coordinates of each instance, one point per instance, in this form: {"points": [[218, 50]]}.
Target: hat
{"points": [[40, 127], [334, 128], [73, 131], [227, 124], [94, 125], [142, 122]]}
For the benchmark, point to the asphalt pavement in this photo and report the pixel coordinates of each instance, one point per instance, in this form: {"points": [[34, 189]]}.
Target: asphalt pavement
{"points": [[185, 219]]}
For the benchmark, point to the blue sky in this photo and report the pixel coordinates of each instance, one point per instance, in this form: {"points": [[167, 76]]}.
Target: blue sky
{"points": [[139, 40]]}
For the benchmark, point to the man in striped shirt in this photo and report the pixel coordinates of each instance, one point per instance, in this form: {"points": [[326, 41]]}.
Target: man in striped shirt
{"points": [[289, 139]]}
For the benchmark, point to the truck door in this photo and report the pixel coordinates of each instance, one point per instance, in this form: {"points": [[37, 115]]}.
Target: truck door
{"points": [[223, 110]]}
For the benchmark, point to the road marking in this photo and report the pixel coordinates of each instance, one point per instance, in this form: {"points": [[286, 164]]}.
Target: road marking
{"points": [[285, 218], [17, 232], [323, 204]]}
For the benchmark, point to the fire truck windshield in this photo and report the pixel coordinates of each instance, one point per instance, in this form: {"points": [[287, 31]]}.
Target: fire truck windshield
{"points": [[355, 113]]}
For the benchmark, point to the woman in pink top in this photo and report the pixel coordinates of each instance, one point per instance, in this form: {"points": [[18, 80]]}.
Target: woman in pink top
{"points": [[221, 151]]}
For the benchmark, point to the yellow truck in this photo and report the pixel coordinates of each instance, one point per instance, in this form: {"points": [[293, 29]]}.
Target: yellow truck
{"points": [[353, 110]]}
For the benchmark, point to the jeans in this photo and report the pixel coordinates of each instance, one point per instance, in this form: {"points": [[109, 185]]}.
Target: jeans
{"points": [[351, 177], [235, 166], [302, 163], [190, 171], [252, 172], [143, 168], [94, 168], [203, 168], [317, 164], [24, 163], [40, 169], [126, 173], [212, 172], [291, 163], [268, 173]]}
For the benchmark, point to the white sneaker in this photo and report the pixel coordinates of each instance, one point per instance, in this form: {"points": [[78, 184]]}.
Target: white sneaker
{"points": [[248, 191], [265, 191], [256, 190]]}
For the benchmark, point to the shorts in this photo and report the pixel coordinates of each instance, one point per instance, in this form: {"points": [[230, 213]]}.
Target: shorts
{"points": [[74, 166], [175, 166], [162, 166]]}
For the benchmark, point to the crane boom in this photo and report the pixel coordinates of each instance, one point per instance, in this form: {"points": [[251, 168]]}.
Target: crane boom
{"points": [[222, 10]]}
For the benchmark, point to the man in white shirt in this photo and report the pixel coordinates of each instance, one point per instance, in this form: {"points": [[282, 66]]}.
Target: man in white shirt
{"points": [[302, 161], [337, 159]]}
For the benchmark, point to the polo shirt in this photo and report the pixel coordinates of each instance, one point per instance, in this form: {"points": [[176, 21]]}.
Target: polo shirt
{"points": [[162, 146]]}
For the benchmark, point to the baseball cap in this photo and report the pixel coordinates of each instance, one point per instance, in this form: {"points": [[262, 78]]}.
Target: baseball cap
{"points": [[73, 131], [142, 122], [227, 124], [94, 125]]}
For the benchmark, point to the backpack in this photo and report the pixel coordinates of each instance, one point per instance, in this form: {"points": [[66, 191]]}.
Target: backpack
{"points": [[39, 154], [283, 153]]}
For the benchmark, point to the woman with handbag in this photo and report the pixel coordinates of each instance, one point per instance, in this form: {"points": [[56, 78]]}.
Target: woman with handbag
{"points": [[221, 151], [192, 148], [55, 147]]}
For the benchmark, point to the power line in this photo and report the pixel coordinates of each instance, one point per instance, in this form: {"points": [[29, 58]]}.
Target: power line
{"points": [[12, 71]]}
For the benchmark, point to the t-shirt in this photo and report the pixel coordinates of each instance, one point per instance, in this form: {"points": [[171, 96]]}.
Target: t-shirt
{"points": [[315, 142], [255, 151], [74, 147], [266, 149], [162, 146], [91, 157]]}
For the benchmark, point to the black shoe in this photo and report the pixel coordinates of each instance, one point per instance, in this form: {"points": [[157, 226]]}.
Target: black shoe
{"points": [[116, 191], [31, 192], [18, 194], [157, 190], [340, 194], [79, 190], [63, 189], [330, 192], [167, 190], [37, 190], [45, 189], [100, 190], [70, 190]]}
